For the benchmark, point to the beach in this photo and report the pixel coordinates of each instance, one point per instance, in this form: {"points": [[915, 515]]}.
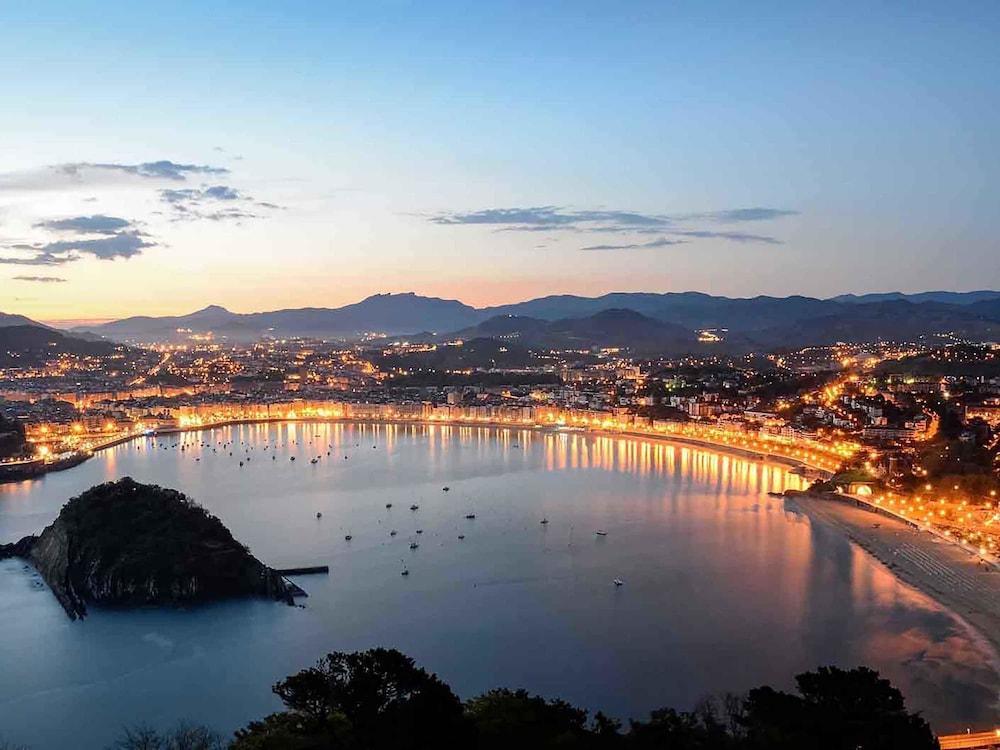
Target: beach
{"points": [[942, 571]]}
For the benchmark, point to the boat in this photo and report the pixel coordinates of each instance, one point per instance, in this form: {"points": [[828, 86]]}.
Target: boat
{"points": [[420, 531], [392, 533], [461, 536], [445, 489], [470, 516], [348, 538], [413, 545], [601, 532], [414, 507], [544, 521], [619, 582], [291, 458], [319, 515], [388, 505], [314, 461], [405, 572]]}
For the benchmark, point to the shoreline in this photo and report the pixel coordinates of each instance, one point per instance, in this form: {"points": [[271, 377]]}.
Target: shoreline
{"points": [[943, 572]]}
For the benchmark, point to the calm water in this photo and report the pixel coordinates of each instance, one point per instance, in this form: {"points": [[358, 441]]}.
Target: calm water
{"points": [[725, 589]]}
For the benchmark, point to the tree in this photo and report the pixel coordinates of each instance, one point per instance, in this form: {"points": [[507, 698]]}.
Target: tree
{"points": [[182, 737], [374, 699], [837, 710], [512, 718]]}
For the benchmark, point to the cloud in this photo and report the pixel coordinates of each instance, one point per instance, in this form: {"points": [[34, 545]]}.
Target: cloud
{"points": [[541, 218], [163, 169], [97, 224], [661, 242], [560, 219], [736, 215], [39, 259], [73, 175], [118, 245], [210, 202], [41, 279], [731, 236]]}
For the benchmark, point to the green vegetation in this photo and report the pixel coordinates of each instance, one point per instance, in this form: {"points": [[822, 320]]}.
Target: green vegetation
{"points": [[380, 700], [126, 543]]}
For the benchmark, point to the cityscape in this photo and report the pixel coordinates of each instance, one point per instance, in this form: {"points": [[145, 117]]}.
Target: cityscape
{"points": [[393, 378]]}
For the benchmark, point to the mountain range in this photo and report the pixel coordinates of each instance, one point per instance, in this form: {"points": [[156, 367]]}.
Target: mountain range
{"points": [[668, 322]]}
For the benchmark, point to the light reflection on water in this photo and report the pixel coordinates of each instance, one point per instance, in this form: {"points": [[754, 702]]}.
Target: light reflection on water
{"points": [[724, 589]]}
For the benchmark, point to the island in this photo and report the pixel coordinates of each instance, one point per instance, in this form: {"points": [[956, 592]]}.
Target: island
{"points": [[129, 544]]}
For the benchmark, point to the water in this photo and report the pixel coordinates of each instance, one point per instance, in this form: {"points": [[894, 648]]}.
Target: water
{"points": [[724, 588]]}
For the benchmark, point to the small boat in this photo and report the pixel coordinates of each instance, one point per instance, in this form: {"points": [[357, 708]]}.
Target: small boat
{"points": [[619, 582], [413, 545], [544, 521], [348, 538], [414, 507], [420, 531], [388, 505], [292, 458], [392, 533], [314, 461], [318, 514], [445, 489], [241, 464], [405, 572], [470, 516], [601, 532], [461, 536]]}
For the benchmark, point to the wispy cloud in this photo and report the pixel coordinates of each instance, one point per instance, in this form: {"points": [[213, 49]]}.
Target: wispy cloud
{"points": [[118, 245], [562, 219], [97, 224], [213, 202], [99, 236], [661, 242], [41, 279], [163, 169], [541, 218], [736, 215], [731, 236], [72, 175]]}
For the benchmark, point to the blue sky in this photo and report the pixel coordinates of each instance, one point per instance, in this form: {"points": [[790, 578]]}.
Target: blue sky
{"points": [[492, 152]]}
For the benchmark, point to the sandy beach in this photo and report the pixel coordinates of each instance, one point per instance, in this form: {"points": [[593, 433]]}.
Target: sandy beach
{"points": [[943, 571]]}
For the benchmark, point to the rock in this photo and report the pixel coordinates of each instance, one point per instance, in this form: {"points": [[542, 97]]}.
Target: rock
{"points": [[127, 544]]}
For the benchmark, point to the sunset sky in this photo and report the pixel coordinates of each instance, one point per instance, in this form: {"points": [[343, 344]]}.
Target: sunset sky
{"points": [[156, 158]]}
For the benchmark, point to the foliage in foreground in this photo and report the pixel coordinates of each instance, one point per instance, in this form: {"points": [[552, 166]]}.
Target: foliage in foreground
{"points": [[380, 700]]}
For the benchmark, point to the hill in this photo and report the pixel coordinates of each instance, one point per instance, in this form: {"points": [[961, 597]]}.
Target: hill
{"points": [[761, 322], [30, 346], [125, 543]]}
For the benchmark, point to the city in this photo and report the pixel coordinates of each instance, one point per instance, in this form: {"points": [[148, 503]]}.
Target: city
{"points": [[394, 376]]}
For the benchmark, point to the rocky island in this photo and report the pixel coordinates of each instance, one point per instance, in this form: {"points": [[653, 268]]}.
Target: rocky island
{"points": [[126, 544]]}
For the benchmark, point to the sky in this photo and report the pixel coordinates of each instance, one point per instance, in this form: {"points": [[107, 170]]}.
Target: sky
{"points": [[159, 157]]}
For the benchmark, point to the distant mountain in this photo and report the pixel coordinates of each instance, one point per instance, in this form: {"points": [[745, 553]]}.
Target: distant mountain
{"points": [[7, 320], [692, 310], [761, 322], [386, 313], [897, 320], [948, 298], [28, 346]]}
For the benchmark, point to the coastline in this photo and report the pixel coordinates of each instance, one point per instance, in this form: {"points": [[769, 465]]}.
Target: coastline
{"points": [[956, 583], [942, 571]]}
